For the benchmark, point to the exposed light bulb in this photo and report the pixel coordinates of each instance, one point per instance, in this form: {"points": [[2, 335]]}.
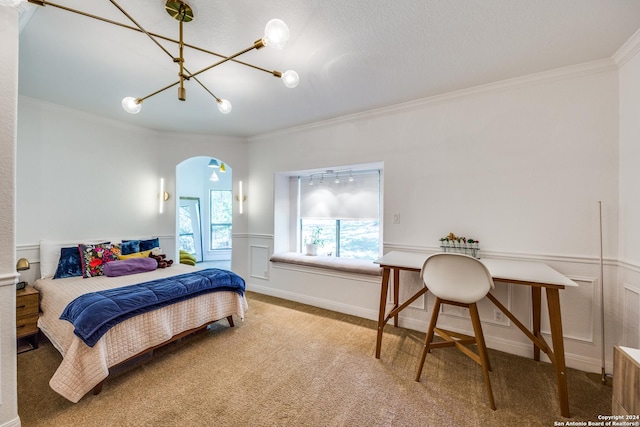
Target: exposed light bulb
{"points": [[131, 105], [276, 34], [290, 79], [11, 3], [224, 106]]}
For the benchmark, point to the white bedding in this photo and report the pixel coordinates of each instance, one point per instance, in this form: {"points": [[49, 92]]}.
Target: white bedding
{"points": [[84, 367]]}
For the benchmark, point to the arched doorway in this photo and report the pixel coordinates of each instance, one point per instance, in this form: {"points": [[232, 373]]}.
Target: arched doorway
{"points": [[204, 210]]}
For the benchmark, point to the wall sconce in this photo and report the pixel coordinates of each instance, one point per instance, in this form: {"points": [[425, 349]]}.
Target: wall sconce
{"points": [[163, 196], [241, 197], [22, 265]]}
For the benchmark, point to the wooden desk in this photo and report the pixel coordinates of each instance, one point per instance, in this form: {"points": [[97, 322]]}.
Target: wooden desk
{"points": [[534, 274]]}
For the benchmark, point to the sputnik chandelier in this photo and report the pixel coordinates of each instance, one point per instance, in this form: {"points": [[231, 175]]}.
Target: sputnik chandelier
{"points": [[276, 35]]}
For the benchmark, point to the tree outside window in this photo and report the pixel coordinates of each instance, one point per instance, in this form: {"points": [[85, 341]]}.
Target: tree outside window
{"points": [[221, 216]]}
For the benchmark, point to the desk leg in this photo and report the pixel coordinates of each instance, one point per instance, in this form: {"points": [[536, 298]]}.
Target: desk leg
{"points": [[383, 305], [396, 293], [536, 300], [555, 319]]}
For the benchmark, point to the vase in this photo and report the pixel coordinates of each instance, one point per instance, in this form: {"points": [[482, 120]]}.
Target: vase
{"points": [[312, 249]]}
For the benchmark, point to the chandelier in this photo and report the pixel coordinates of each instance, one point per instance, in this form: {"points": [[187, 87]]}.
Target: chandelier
{"points": [[276, 35]]}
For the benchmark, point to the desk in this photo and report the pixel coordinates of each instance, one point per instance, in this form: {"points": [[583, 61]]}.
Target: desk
{"points": [[534, 274]]}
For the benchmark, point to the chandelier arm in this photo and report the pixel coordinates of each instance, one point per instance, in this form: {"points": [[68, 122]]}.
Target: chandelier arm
{"points": [[205, 88], [227, 59], [141, 29], [159, 36], [158, 91]]}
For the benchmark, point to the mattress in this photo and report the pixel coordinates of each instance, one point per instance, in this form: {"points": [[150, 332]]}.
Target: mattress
{"points": [[84, 367]]}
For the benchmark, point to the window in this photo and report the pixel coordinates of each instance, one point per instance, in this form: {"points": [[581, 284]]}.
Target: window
{"points": [[345, 214], [221, 214]]}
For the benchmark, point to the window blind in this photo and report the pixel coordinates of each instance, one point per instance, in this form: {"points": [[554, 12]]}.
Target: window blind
{"points": [[357, 199]]}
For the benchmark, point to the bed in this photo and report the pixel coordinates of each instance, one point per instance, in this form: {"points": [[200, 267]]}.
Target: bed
{"points": [[85, 367]]}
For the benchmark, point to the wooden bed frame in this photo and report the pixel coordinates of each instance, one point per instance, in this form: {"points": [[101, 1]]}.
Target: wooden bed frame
{"points": [[148, 353]]}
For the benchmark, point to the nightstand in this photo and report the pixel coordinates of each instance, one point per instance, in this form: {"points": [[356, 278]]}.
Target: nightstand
{"points": [[27, 312]]}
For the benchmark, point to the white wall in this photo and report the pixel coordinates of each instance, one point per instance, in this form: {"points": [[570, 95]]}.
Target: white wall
{"points": [[80, 176], [8, 124], [519, 165], [629, 253]]}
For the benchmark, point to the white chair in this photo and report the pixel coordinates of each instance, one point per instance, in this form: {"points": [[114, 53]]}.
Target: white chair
{"points": [[462, 281]]}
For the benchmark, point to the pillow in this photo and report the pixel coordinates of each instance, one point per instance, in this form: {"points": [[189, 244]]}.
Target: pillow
{"points": [[69, 264], [129, 266], [129, 247], [50, 254], [146, 245], [94, 257], [143, 254], [187, 261]]}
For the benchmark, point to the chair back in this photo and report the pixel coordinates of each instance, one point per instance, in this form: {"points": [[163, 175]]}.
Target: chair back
{"points": [[456, 277]]}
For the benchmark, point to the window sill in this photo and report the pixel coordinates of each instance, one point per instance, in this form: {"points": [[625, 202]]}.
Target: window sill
{"points": [[347, 265]]}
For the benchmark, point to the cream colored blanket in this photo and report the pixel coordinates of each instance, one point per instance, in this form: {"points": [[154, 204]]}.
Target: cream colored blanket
{"points": [[84, 367]]}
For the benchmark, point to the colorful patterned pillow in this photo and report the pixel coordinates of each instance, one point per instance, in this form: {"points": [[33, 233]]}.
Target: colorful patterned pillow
{"points": [[94, 257]]}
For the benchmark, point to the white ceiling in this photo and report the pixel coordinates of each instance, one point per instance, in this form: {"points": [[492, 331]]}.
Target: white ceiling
{"points": [[351, 56]]}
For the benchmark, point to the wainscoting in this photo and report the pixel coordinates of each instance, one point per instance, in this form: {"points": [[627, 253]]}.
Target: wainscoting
{"points": [[359, 295]]}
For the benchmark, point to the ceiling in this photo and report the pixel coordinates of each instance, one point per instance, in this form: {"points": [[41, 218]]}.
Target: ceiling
{"points": [[351, 56]]}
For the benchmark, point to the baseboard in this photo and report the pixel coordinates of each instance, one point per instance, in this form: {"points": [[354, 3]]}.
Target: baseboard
{"points": [[314, 301], [12, 423], [523, 349]]}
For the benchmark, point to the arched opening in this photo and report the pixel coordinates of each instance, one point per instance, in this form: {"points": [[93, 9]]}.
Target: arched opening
{"points": [[204, 204]]}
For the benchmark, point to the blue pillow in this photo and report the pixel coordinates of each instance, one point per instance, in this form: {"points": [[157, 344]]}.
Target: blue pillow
{"points": [[69, 264], [130, 247], [147, 245]]}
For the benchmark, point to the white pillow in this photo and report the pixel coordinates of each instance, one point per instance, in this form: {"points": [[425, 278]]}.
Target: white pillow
{"points": [[49, 256]]}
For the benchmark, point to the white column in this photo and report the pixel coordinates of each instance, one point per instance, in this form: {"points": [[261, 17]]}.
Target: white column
{"points": [[9, 37]]}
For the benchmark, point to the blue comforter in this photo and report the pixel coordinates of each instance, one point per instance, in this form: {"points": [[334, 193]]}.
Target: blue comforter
{"points": [[93, 314]]}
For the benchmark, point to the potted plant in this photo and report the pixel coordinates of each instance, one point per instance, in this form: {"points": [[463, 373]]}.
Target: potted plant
{"points": [[313, 241]]}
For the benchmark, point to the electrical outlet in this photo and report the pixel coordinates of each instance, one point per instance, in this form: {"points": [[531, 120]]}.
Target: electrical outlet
{"points": [[498, 316], [396, 218]]}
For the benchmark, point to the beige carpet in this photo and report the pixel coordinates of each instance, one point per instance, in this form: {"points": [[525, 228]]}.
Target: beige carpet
{"points": [[290, 364]]}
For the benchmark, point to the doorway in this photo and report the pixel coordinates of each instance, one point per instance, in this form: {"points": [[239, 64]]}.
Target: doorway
{"points": [[204, 219]]}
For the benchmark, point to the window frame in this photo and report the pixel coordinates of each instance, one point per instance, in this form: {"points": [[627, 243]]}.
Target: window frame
{"points": [[228, 225]]}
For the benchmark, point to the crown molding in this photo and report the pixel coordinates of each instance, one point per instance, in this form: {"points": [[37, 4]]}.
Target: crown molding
{"points": [[628, 50], [573, 71]]}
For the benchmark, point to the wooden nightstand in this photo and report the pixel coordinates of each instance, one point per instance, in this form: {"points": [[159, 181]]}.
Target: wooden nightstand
{"points": [[27, 312]]}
